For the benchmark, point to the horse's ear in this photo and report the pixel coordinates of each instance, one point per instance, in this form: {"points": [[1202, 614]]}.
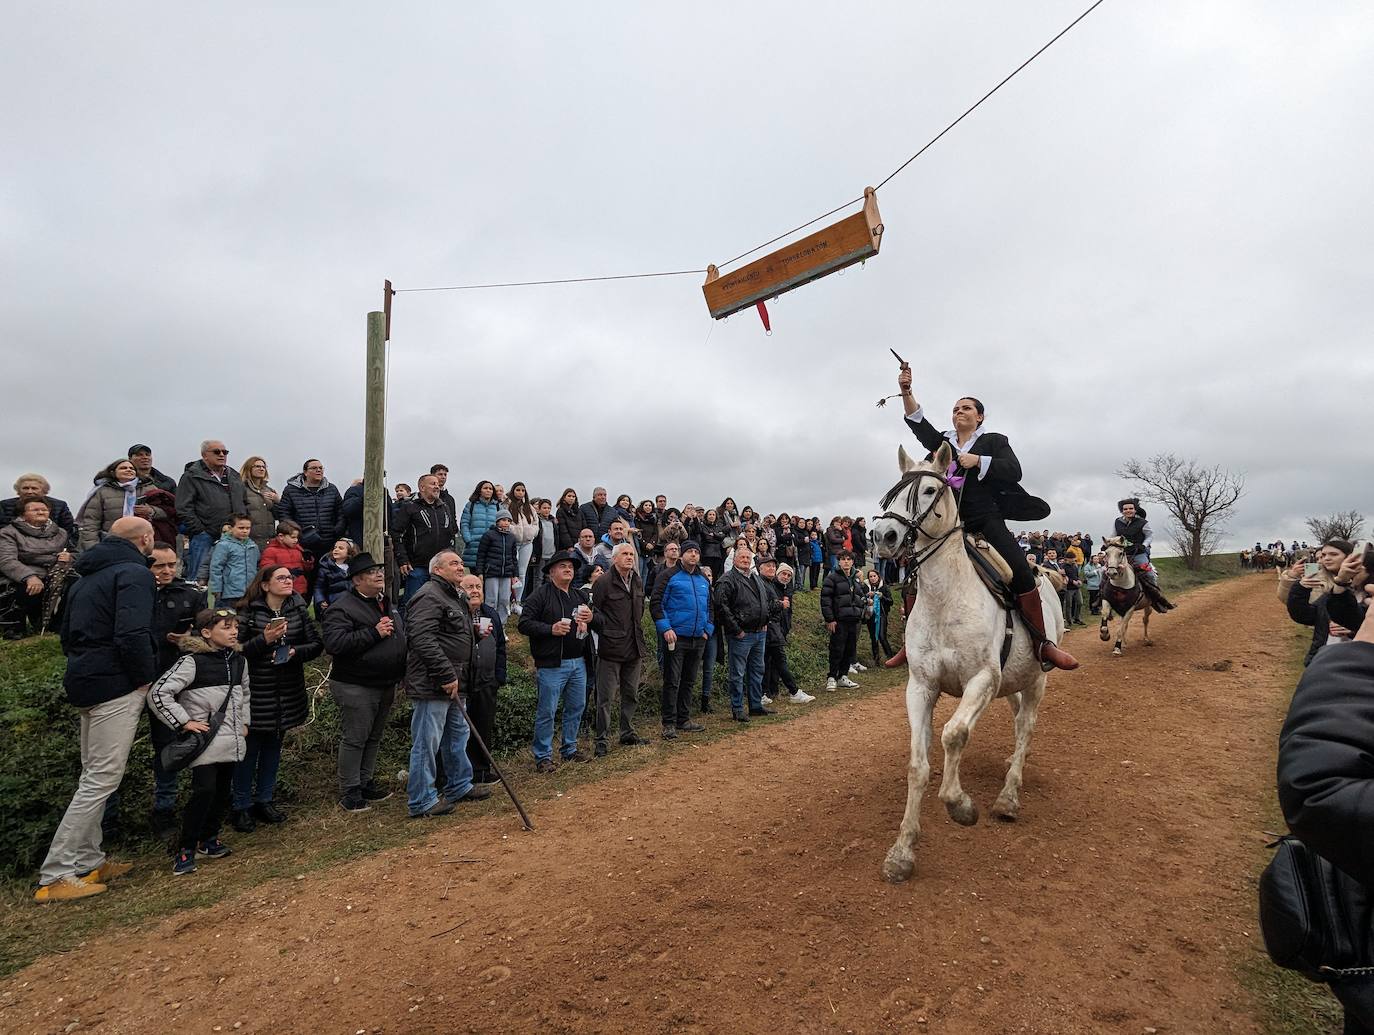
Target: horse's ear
{"points": [[943, 456], [904, 462]]}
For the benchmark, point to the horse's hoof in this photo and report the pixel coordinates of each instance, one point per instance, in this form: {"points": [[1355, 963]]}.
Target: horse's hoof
{"points": [[965, 812], [1116, 653], [898, 866], [1102, 632], [1006, 809], [1149, 643]]}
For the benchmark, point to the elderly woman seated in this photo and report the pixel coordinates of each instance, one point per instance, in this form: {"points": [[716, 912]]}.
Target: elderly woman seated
{"points": [[30, 548]]}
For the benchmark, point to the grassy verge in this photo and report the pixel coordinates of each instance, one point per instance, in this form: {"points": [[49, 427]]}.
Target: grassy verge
{"points": [[1175, 577], [1286, 1003]]}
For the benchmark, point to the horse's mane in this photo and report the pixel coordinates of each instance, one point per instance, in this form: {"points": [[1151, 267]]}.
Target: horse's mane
{"points": [[908, 482]]}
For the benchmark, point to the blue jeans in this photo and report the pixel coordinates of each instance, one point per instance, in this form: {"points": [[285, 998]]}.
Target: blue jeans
{"points": [[418, 576], [567, 682], [198, 549], [708, 663], [164, 783], [1149, 576], [746, 662], [261, 757], [437, 726]]}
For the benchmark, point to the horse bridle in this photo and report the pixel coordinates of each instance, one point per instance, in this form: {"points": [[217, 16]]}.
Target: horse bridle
{"points": [[915, 558]]}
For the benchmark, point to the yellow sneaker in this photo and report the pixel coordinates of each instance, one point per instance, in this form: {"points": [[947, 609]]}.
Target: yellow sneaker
{"points": [[106, 872], [65, 889]]}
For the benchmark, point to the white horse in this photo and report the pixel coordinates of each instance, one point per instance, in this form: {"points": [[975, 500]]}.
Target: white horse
{"points": [[1121, 594], [954, 638]]}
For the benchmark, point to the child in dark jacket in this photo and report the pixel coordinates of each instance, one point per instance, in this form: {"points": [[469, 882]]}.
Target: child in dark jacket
{"points": [[333, 580], [497, 564]]}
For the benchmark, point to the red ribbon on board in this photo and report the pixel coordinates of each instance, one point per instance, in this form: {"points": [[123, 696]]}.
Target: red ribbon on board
{"points": [[763, 315]]}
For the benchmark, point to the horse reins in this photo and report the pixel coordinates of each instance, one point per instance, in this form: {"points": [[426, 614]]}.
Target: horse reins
{"points": [[915, 558]]}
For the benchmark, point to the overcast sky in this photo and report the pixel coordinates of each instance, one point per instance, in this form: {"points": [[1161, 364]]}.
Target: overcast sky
{"points": [[1156, 238]]}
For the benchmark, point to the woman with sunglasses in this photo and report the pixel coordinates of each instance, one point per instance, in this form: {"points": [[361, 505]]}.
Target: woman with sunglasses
{"points": [[277, 636]]}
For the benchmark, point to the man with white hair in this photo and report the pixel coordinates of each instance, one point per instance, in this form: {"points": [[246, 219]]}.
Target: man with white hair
{"points": [[617, 609], [438, 659], [209, 491]]}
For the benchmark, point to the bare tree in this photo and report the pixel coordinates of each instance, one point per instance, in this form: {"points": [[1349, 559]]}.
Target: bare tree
{"points": [[1346, 525], [1199, 499]]}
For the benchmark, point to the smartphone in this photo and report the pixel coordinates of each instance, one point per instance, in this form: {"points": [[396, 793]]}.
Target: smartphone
{"points": [[1310, 569]]}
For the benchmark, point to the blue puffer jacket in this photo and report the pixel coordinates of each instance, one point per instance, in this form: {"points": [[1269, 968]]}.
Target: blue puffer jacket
{"points": [[331, 582], [682, 602], [106, 623], [496, 555], [477, 518]]}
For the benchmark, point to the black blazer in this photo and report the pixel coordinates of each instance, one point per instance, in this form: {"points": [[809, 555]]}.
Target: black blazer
{"points": [[1000, 492]]}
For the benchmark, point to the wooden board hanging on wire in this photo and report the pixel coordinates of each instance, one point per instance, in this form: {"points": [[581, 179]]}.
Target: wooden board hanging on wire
{"points": [[853, 239]]}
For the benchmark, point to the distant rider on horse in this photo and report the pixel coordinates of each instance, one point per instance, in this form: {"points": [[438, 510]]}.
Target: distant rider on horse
{"points": [[1135, 531], [990, 495]]}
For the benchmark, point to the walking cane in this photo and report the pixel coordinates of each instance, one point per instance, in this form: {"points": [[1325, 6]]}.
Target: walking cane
{"points": [[486, 753]]}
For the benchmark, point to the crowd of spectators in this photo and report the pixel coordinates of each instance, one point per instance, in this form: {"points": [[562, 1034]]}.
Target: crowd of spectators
{"points": [[200, 601]]}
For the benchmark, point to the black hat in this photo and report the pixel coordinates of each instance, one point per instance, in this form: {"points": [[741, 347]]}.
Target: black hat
{"points": [[361, 563], [560, 556], [1121, 504], [691, 544], [763, 559], [139, 447]]}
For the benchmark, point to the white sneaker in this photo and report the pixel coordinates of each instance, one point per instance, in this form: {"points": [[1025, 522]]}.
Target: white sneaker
{"points": [[830, 683], [856, 667], [848, 683], [800, 698], [767, 700]]}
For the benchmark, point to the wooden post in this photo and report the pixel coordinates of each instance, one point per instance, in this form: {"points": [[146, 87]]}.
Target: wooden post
{"points": [[374, 438]]}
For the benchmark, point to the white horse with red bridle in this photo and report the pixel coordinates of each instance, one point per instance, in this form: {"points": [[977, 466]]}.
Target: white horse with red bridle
{"points": [[955, 637]]}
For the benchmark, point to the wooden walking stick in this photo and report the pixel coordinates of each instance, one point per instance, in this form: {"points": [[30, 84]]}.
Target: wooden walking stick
{"points": [[486, 753]]}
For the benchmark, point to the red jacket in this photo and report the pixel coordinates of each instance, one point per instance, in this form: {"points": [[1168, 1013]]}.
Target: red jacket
{"points": [[277, 554]]}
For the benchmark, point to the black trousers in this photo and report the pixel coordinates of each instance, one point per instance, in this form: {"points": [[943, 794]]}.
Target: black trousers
{"points": [[211, 785], [680, 670], [877, 637], [481, 706], [992, 528], [775, 669], [844, 648]]}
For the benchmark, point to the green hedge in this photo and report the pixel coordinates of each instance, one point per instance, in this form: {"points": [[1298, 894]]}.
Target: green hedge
{"points": [[41, 760]]}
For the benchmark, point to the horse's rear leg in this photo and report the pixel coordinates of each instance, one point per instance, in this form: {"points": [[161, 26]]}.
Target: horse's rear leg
{"points": [[1025, 708], [901, 857], [978, 693]]}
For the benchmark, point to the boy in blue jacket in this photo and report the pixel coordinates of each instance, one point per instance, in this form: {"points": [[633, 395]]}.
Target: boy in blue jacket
{"points": [[233, 562]]}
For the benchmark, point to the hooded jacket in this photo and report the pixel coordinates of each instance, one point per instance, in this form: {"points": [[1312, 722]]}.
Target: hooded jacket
{"points": [[204, 503], [332, 582], [496, 555], [279, 697], [842, 599], [477, 518], [106, 624], [280, 554], [422, 530], [438, 640], [193, 690], [598, 520], [233, 563], [27, 552], [318, 510], [361, 655]]}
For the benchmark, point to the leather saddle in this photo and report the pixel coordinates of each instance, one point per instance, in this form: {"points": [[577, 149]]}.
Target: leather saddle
{"points": [[995, 572]]}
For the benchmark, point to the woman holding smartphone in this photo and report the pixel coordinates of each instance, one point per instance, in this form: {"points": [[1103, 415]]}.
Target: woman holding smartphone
{"points": [[1298, 584], [277, 637]]}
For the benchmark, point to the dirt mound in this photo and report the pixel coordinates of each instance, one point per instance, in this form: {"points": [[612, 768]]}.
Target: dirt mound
{"points": [[736, 886]]}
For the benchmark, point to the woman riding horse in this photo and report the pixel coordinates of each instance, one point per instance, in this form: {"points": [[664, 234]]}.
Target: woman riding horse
{"points": [[991, 494]]}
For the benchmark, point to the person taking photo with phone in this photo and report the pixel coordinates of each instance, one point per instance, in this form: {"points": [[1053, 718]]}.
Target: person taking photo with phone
{"points": [[1300, 583]]}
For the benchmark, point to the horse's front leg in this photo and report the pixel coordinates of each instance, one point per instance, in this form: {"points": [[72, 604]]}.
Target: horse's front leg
{"points": [[1104, 630], [1025, 708], [1121, 632], [920, 706], [1145, 617], [978, 693]]}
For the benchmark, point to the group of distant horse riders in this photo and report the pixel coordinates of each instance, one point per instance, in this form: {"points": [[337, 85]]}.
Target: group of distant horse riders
{"points": [[991, 494]]}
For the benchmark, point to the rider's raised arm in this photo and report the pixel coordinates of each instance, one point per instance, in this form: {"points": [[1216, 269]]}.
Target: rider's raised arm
{"points": [[924, 430]]}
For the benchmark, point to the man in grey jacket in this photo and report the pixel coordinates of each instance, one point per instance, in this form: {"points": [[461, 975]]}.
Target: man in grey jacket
{"points": [[209, 491], [438, 655]]}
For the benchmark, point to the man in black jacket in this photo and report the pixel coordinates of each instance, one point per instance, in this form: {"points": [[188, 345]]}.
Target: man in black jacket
{"points": [[110, 665], [313, 503], [556, 622], [598, 514], [438, 655], [174, 613], [363, 634], [209, 491], [842, 609], [424, 526], [744, 607], [617, 610], [1326, 777]]}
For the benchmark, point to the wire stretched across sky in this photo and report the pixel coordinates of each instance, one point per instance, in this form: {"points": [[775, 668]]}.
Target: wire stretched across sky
{"points": [[811, 222]]}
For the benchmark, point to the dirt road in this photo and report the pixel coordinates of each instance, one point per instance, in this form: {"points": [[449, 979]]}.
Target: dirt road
{"points": [[736, 886]]}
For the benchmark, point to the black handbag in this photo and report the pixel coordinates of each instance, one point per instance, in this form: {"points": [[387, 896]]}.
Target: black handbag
{"points": [[189, 744], [1316, 919]]}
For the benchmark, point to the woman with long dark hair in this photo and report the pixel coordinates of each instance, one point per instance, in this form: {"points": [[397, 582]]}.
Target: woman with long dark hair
{"points": [[524, 525], [479, 514], [567, 522], [991, 495]]}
